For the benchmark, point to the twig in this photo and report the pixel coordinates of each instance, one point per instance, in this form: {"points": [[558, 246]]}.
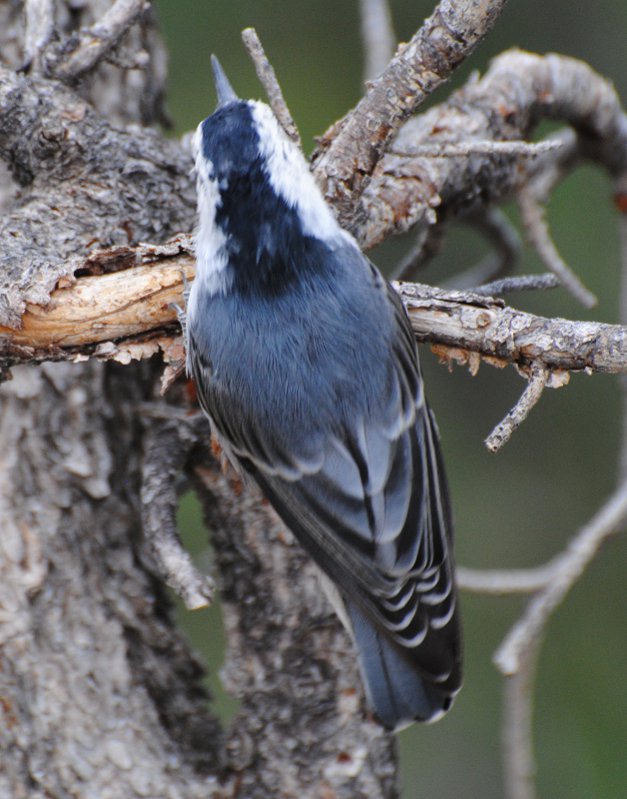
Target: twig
{"points": [[568, 568], [95, 42], [519, 283], [39, 16], [517, 733], [538, 234], [377, 34], [529, 398], [548, 170], [166, 446], [516, 657], [523, 149], [501, 582], [267, 77]]}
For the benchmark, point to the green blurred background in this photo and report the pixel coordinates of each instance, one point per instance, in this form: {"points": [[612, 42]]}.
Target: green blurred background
{"points": [[519, 507]]}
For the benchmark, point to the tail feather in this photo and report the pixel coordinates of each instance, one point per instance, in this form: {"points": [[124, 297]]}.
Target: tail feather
{"points": [[397, 691]]}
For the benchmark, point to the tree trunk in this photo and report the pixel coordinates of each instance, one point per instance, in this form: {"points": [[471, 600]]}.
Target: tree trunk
{"points": [[100, 695]]}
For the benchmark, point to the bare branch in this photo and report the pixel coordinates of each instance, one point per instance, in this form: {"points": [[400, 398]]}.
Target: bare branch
{"points": [[404, 192], [501, 582], [39, 29], [569, 567], [468, 321], [519, 148], [518, 283], [128, 313], [538, 234], [106, 307], [167, 442], [529, 398], [267, 77], [517, 736], [95, 43], [548, 170], [350, 151], [377, 33], [517, 656]]}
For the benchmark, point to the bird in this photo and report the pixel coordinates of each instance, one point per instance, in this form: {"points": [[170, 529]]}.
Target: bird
{"points": [[305, 362]]}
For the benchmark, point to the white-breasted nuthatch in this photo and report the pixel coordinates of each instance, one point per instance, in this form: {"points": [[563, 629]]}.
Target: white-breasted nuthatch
{"points": [[306, 364]]}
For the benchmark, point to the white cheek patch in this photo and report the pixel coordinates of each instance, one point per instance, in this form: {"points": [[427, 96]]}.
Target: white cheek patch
{"points": [[211, 253], [291, 179]]}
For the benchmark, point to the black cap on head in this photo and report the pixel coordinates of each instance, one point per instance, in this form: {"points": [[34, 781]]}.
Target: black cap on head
{"points": [[224, 90]]}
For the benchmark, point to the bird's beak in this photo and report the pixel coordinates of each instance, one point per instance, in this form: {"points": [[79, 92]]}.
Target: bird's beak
{"points": [[224, 90]]}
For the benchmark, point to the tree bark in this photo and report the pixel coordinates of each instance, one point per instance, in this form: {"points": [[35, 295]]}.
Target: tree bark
{"points": [[100, 696]]}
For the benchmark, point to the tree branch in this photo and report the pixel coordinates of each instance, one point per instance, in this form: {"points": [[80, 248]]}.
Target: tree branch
{"points": [[567, 570], [168, 440], [476, 324], [501, 582], [508, 285], [529, 398], [267, 77], [351, 149], [517, 92], [537, 231], [128, 307], [38, 30], [94, 43], [87, 185], [516, 658]]}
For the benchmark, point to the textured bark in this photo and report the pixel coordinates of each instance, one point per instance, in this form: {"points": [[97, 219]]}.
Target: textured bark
{"points": [[301, 730], [350, 150], [484, 326], [100, 695], [87, 185], [130, 314], [517, 92]]}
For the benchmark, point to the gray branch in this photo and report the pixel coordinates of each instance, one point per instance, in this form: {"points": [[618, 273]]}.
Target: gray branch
{"points": [[267, 77], [168, 440], [517, 656], [351, 149], [406, 191], [39, 29], [94, 43], [482, 325]]}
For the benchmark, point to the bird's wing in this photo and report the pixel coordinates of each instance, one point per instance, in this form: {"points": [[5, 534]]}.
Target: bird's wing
{"points": [[370, 506]]}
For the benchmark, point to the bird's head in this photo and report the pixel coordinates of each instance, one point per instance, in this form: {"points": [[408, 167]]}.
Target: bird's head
{"points": [[257, 199]]}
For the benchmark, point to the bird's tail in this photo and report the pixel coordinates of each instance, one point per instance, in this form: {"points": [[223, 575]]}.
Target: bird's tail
{"points": [[397, 691]]}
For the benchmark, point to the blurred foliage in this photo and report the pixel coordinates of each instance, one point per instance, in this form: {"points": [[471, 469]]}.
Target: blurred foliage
{"points": [[519, 507]]}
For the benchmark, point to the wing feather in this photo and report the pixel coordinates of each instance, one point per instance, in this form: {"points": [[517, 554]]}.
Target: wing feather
{"points": [[368, 502]]}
